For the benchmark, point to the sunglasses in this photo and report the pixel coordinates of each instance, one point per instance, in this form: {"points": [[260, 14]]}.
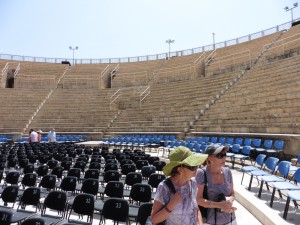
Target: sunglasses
{"points": [[191, 168], [220, 155]]}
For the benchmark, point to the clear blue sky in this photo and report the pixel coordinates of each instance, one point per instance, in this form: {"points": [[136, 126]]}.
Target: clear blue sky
{"points": [[122, 28]]}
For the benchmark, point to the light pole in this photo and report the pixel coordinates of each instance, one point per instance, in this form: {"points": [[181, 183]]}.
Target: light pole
{"points": [[170, 41], [73, 49], [291, 9]]}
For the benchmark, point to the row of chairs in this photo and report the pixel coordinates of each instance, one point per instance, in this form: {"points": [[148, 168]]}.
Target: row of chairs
{"points": [[275, 173]]}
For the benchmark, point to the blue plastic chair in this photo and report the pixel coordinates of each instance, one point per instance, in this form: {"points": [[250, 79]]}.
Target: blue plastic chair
{"points": [[283, 169], [267, 145], [279, 186], [199, 140], [278, 148], [245, 155], [214, 140], [269, 168], [229, 141], [259, 162], [239, 141], [293, 195], [222, 140]]}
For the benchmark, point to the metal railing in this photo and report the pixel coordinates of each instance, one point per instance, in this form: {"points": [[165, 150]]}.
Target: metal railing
{"points": [[156, 56], [114, 97], [144, 94]]}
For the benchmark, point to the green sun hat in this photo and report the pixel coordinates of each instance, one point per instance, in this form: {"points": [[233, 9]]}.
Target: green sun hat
{"points": [[183, 156]]}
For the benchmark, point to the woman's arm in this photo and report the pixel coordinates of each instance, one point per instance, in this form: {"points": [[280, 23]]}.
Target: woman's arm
{"points": [[161, 212], [211, 204]]}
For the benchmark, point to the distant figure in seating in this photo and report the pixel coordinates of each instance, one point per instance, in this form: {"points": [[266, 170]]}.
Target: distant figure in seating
{"points": [[52, 135], [39, 132], [33, 136]]}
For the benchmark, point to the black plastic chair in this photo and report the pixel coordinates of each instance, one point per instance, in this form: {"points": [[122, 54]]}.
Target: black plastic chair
{"points": [[143, 213], [33, 221], [115, 209], [9, 195], [131, 179], [5, 217], [55, 200], [83, 205], [68, 184]]}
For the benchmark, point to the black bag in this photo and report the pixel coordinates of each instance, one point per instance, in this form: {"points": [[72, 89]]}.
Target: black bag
{"points": [[202, 209], [173, 191]]}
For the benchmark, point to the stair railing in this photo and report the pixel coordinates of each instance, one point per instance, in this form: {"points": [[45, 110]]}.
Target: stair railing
{"points": [[144, 94], [114, 97]]}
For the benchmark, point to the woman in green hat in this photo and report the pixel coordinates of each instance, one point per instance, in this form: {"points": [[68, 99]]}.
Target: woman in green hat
{"points": [[176, 203]]}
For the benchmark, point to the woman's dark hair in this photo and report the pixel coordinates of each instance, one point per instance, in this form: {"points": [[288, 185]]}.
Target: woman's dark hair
{"points": [[174, 171]]}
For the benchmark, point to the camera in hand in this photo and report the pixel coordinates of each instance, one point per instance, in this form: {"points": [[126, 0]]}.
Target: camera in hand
{"points": [[221, 198]]}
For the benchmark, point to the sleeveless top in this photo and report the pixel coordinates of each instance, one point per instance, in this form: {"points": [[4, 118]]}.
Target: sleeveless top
{"points": [[213, 190]]}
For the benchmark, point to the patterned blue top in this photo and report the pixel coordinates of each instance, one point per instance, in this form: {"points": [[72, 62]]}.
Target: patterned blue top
{"points": [[186, 212], [213, 190]]}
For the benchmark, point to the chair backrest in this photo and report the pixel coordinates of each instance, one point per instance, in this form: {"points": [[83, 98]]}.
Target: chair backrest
{"points": [[143, 212], [159, 165], [58, 171], [28, 169], [222, 140], [33, 221], [141, 163], [12, 177], [246, 150], [116, 209], [133, 178], [214, 139], [230, 140], [111, 175], [235, 148], [68, 183], [111, 166], [257, 142], [279, 144], [55, 200], [5, 217], [114, 189], [155, 179], [268, 144], [92, 173], [248, 141], [271, 163], [42, 170], [147, 171], [239, 141], [127, 168], [140, 193], [284, 168], [74, 172], [31, 196], [83, 205], [29, 179], [10, 194], [90, 186], [48, 181], [260, 159]]}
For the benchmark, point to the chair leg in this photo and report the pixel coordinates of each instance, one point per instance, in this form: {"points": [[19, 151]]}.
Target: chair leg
{"points": [[250, 183], [242, 178], [272, 197], [260, 189], [286, 208]]}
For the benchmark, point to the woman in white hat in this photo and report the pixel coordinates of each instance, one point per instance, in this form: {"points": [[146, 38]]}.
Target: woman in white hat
{"points": [[220, 191]]}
